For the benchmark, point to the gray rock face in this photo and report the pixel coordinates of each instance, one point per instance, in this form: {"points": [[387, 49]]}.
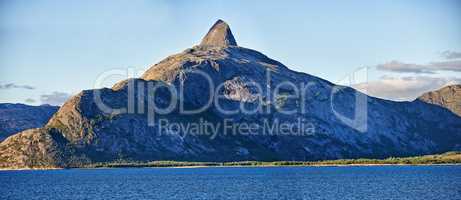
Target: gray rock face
{"points": [[18, 117], [219, 35], [448, 97], [82, 132]]}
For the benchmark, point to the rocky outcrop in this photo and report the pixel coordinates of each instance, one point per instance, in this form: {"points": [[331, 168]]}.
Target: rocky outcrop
{"points": [[38, 148], [127, 128], [219, 34], [19, 117], [448, 97]]}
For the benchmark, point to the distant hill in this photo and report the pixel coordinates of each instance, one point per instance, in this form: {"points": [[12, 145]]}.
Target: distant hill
{"points": [[18, 117], [448, 97]]}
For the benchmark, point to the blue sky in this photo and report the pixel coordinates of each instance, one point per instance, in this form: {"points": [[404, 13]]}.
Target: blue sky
{"points": [[60, 48]]}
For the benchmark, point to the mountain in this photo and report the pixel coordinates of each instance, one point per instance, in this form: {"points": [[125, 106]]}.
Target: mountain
{"points": [[448, 97], [19, 117], [218, 101]]}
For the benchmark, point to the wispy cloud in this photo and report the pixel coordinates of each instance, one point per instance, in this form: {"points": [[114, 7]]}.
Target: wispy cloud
{"points": [[30, 100], [397, 66], [55, 98], [7, 86], [450, 54], [404, 88], [430, 68], [451, 63]]}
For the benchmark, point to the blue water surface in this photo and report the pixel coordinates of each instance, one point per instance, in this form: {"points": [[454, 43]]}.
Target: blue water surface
{"points": [[370, 182]]}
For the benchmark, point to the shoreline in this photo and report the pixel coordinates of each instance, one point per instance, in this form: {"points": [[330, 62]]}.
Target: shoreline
{"points": [[448, 158], [262, 166], [228, 166]]}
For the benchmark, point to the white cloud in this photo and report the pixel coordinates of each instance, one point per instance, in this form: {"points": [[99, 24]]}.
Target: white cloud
{"points": [[430, 68], [450, 54], [453, 65], [29, 100], [404, 88], [55, 98], [15, 86]]}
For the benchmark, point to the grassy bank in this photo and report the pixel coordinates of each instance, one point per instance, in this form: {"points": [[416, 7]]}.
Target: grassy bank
{"points": [[446, 158]]}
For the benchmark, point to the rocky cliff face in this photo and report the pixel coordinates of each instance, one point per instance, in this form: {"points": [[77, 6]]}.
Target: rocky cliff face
{"points": [[448, 97], [132, 124], [19, 117]]}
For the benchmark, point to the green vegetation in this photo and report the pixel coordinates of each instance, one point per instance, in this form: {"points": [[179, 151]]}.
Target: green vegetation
{"points": [[446, 158]]}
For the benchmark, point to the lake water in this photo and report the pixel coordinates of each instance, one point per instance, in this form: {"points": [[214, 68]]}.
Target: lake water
{"points": [[372, 182]]}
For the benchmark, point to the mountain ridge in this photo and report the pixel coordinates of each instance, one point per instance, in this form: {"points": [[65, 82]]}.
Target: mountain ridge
{"points": [[81, 132], [18, 117]]}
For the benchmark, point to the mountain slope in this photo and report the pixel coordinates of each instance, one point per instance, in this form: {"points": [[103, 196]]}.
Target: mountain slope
{"points": [[19, 117], [129, 122], [448, 97]]}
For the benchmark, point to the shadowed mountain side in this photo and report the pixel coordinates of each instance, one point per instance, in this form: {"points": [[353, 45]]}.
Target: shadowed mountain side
{"points": [[19, 117]]}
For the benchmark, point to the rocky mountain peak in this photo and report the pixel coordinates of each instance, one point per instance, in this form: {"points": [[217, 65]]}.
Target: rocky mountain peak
{"points": [[448, 97], [219, 34], [82, 132]]}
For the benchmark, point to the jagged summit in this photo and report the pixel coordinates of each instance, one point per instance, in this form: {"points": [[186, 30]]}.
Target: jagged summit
{"points": [[218, 49], [219, 34]]}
